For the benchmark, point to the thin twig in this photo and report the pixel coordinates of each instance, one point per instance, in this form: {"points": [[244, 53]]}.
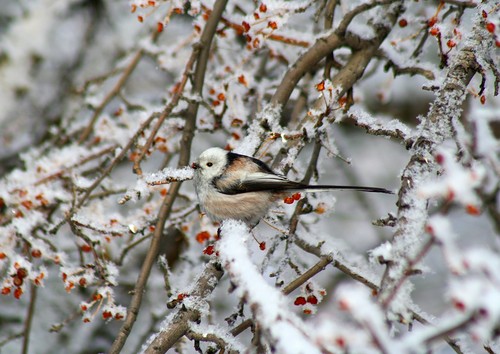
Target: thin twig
{"points": [[168, 202], [115, 90], [29, 318]]}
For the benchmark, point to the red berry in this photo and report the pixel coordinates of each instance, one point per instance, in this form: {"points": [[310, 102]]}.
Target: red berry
{"points": [[440, 159], [36, 253], [296, 196], [2, 255], [82, 282], [485, 14], [106, 315], [262, 245], [246, 26], [432, 21], [459, 305], [340, 341], [5, 290], [403, 23], [262, 8], [85, 248], [18, 292], [209, 250], [312, 300], [482, 99], [300, 301], [159, 27], [490, 27], [451, 43]]}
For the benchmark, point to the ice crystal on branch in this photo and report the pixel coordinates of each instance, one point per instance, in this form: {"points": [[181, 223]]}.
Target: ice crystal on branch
{"points": [[106, 102]]}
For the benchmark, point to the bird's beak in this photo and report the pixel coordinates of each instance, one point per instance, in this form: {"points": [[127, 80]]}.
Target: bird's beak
{"points": [[195, 166]]}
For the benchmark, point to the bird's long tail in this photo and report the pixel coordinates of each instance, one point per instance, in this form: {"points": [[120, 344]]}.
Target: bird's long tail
{"points": [[323, 188]]}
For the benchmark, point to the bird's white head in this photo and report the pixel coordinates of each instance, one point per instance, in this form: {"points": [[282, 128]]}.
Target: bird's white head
{"points": [[211, 163]]}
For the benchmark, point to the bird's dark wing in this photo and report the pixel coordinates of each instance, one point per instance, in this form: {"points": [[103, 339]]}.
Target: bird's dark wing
{"points": [[256, 182]]}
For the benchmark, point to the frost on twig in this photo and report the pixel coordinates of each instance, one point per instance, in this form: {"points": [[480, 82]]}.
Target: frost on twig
{"points": [[144, 183], [435, 128]]}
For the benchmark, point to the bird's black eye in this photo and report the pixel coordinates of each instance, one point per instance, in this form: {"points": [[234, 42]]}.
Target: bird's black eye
{"points": [[209, 164]]}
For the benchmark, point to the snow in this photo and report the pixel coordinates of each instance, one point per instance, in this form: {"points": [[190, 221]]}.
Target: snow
{"points": [[268, 304]]}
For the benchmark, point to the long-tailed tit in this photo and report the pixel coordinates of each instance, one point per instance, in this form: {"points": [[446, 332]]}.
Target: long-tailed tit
{"points": [[233, 186]]}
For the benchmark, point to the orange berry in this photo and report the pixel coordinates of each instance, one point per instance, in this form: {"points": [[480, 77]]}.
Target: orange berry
{"points": [[451, 43], [344, 305], [3, 255], [86, 248], [159, 27], [18, 292], [434, 31], [140, 18], [36, 253], [6, 290], [262, 7], [28, 204], [202, 236], [246, 26], [288, 200], [272, 24], [236, 123], [472, 209], [242, 80], [321, 86]]}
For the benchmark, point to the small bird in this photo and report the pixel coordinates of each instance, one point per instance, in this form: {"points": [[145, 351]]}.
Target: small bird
{"points": [[234, 186]]}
